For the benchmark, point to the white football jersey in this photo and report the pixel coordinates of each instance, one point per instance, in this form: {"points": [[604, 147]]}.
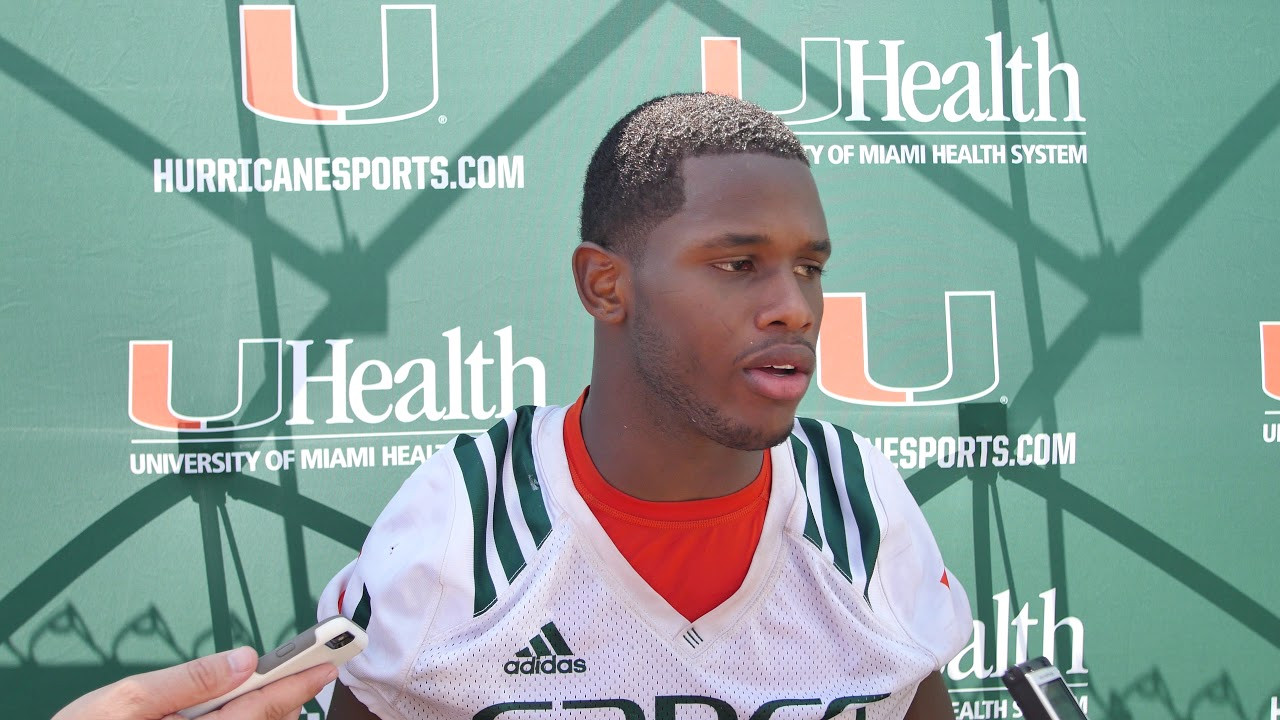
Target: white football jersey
{"points": [[489, 589]]}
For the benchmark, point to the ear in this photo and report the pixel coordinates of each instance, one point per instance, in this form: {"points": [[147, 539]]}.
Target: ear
{"points": [[603, 279]]}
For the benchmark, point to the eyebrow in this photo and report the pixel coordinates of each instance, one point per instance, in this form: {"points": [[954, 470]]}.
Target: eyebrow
{"points": [[734, 240]]}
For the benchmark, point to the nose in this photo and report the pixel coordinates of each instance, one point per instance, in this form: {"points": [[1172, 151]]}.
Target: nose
{"points": [[789, 302]]}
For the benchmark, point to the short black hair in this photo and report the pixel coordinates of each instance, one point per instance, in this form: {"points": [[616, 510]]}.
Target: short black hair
{"points": [[633, 182]]}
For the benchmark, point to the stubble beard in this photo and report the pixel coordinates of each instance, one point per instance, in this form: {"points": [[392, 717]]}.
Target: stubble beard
{"points": [[669, 377]]}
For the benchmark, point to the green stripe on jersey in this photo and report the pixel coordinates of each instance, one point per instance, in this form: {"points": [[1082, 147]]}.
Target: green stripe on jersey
{"points": [[839, 705], [864, 512], [832, 516], [558, 644], [526, 476], [493, 711], [766, 711], [800, 454], [477, 482], [504, 535], [364, 610], [540, 648]]}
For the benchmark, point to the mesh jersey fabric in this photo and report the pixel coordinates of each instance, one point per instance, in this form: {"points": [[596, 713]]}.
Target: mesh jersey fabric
{"points": [[488, 588]]}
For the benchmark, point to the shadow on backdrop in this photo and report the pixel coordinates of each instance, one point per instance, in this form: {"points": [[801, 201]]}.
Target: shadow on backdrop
{"points": [[354, 280]]}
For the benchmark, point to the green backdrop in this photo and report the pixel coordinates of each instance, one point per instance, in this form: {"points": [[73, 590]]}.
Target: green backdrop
{"points": [[1068, 359]]}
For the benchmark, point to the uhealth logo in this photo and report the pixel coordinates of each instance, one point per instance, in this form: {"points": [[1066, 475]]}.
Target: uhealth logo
{"points": [[844, 371], [906, 93], [373, 392], [269, 68]]}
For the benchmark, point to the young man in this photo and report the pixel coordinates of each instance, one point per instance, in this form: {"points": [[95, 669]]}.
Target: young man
{"points": [[676, 543]]}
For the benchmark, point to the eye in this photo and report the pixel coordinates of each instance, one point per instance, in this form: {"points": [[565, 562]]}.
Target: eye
{"points": [[809, 271], [735, 266]]}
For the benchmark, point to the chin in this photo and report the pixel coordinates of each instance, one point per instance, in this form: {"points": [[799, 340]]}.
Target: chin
{"points": [[757, 436], [780, 435]]}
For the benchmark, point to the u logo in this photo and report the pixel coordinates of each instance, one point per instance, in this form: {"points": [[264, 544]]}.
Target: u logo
{"points": [[844, 370], [151, 389], [1270, 332], [722, 74], [269, 68]]}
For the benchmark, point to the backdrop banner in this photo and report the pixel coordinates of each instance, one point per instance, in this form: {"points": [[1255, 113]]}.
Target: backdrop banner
{"points": [[261, 261]]}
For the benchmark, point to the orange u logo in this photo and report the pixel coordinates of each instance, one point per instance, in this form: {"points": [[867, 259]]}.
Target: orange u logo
{"points": [[269, 68]]}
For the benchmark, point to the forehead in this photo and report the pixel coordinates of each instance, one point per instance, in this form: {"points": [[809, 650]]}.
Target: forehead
{"points": [[744, 195]]}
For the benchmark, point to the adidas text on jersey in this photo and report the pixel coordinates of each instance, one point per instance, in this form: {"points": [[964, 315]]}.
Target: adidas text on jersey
{"points": [[545, 666]]}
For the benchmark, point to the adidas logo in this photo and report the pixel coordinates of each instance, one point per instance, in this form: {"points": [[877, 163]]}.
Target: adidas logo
{"points": [[546, 654]]}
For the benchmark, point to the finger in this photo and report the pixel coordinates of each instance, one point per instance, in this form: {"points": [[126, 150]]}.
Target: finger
{"points": [[277, 700], [158, 693]]}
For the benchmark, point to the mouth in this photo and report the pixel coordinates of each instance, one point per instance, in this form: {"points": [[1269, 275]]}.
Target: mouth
{"points": [[783, 383], [779, 370], [780, 373]]}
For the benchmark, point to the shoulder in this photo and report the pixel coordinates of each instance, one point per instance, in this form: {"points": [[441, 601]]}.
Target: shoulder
{"points": [[460, 528], [450, 542], [483, 496], [857, 499], [841, 475], [501, 479], [865, 520], [472, 476]]}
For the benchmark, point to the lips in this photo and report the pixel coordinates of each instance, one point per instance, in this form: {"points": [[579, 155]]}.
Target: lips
{"points": [[780, 372]]}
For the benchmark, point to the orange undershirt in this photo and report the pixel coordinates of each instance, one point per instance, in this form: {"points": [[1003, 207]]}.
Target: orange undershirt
{"points": [[695, 554]]}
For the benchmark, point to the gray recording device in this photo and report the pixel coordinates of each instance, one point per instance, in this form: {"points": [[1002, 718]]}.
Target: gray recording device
{"points": [[1041, 692]]}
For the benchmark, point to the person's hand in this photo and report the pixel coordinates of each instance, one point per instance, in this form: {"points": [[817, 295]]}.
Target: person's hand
{"points": [[161, 694]]}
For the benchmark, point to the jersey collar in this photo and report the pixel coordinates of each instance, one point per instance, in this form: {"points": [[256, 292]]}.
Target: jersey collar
{"points": [[686, 638]]}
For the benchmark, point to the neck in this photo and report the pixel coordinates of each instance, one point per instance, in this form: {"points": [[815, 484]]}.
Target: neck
{"points": [[641, 448]]}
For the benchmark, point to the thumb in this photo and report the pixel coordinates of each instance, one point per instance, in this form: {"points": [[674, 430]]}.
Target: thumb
{"points": [[172, 689]]}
